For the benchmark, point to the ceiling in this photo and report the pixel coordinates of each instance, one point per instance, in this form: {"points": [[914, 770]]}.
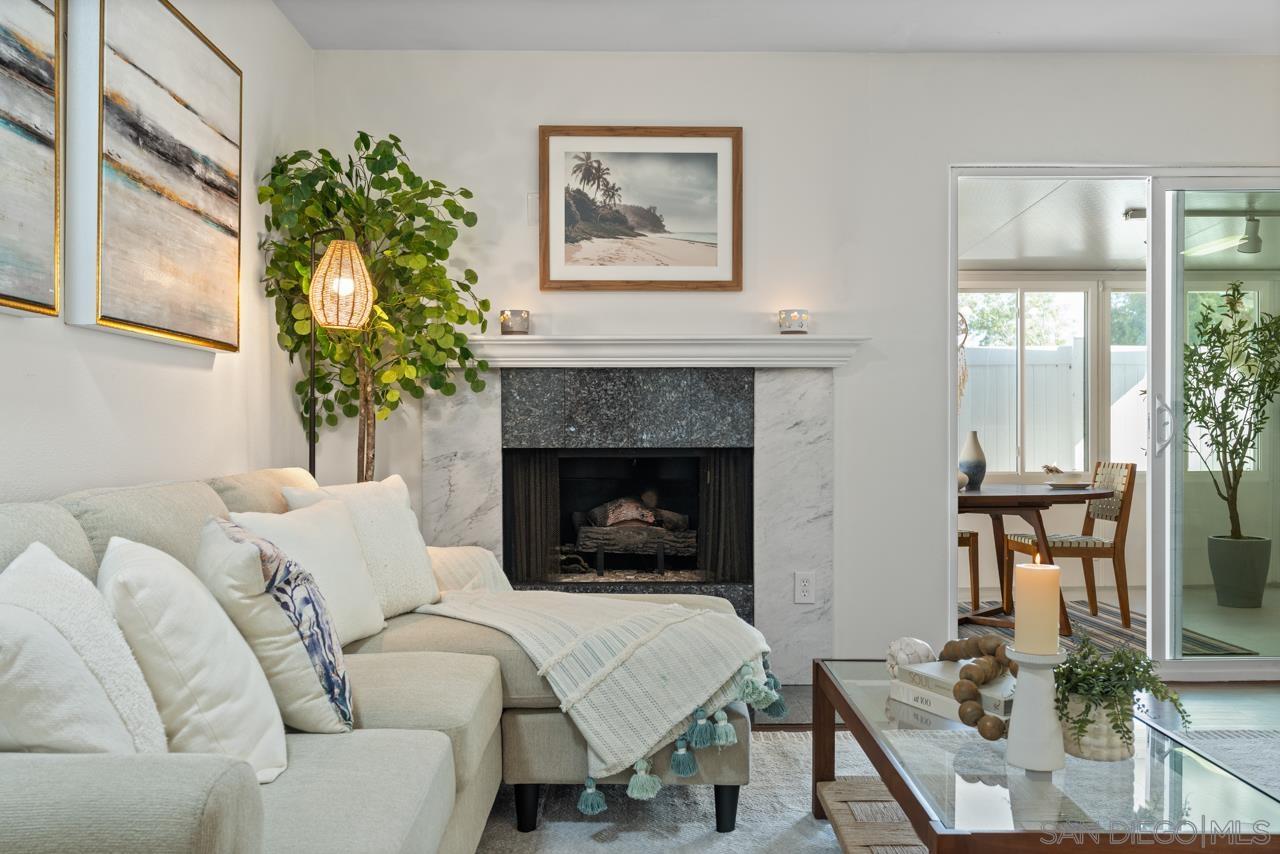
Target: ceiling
{"points": [[1194, 26], [1052, 224]]}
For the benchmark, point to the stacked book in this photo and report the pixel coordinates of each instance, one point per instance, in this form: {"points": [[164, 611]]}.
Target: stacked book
{"points": [[920, 696]]}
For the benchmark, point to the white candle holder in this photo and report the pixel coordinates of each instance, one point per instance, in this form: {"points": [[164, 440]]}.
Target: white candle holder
{"points": [[1035, 735], [514, 321]]}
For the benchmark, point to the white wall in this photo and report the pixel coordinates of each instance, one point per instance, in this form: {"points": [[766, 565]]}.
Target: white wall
{"points": [[81, 407], [846, 182]]}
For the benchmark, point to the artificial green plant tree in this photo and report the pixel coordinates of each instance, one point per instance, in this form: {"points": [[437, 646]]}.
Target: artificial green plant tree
{"points": [[405, 224], [1231, 373]]}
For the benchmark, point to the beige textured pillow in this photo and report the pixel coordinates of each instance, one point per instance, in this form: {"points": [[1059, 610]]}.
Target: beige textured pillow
{"points": [[68, 682], [322, 539], [392, 544]]}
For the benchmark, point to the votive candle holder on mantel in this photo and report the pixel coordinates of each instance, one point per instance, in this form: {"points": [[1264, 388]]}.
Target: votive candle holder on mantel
{"points": [[793, 321], [514, 321]]}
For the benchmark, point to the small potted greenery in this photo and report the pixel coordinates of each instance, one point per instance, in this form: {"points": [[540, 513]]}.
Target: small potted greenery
{"points": [[1231, 372], [1096, 699]]}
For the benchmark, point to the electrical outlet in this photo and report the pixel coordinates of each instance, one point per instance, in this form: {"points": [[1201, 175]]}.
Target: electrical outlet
{"points": [[805, 594]]}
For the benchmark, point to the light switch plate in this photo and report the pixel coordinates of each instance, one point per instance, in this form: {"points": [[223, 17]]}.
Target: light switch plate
{"points": [[805, 594]]}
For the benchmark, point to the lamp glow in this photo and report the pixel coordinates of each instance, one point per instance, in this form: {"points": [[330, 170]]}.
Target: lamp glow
{"points": [[341, 290]]}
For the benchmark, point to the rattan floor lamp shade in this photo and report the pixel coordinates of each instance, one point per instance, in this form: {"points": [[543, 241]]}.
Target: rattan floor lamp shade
{"points": [[341, 290]]}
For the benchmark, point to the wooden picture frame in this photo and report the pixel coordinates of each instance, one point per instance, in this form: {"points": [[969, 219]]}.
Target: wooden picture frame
{"points": [[660, 226]]}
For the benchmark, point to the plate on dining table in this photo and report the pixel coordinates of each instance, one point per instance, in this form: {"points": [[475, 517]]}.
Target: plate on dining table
{"points": [[1068, 484]]}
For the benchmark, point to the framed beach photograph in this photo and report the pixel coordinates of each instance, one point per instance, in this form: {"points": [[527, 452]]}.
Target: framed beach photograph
{"points": [[641, 208]]}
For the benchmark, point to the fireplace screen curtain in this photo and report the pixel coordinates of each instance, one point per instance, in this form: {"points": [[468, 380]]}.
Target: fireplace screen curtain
{"points": [[725, 534], [533, 522]]}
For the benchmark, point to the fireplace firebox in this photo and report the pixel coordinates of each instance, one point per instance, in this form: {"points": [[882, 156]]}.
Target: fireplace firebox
{"points": [[628, 514]]}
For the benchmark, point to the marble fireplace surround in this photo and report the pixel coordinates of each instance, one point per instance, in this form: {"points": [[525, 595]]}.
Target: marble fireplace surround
{"points": [[792, 425]]}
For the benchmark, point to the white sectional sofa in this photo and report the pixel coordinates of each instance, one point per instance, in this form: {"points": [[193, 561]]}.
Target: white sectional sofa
{"points": [[444, 712]]}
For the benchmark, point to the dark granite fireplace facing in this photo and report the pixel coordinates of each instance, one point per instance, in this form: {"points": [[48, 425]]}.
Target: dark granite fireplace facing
{"points": [[673, 444]]}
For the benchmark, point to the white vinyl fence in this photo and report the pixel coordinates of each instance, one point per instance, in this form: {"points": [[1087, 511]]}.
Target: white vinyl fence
{"points": [[1056, 391]]}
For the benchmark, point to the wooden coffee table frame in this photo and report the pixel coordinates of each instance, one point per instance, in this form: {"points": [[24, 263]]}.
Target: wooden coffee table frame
{"points": [[829, 699]]}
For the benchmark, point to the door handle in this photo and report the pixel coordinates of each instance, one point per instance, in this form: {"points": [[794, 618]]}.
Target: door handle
{"points": [[1164, 426]]}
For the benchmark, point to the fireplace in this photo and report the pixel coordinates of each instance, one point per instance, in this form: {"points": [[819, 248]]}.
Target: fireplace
{"points": [[643, 515]]}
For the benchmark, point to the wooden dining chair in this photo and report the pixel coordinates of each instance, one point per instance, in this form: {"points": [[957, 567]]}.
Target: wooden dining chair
{"points": [[969, 540], [1087, 545]]}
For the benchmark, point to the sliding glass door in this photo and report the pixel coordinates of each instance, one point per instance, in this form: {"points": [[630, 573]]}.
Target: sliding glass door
{"points": [[1214, 484]]}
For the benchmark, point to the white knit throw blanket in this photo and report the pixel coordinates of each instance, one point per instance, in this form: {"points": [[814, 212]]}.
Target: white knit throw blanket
{"points": [[629, 674]]}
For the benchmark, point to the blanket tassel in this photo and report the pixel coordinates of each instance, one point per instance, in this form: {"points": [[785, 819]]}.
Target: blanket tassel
{"points": [[753, 691], [643, 786], [591, 801], [683, 763], [699, 733], [724, 734]]}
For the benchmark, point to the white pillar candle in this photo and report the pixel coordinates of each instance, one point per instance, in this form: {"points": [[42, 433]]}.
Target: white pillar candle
{"points": [[1035, 608]]}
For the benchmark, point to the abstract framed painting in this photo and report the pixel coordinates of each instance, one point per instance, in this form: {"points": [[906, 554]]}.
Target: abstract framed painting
{"points": [[640, 208], [30, 149], [166, 246]]}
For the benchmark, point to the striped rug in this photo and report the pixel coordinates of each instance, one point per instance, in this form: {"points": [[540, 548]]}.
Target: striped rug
{"points": [[1108, 633]]}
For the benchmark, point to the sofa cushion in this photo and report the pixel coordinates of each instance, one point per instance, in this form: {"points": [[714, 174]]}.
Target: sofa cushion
{"points": [[68, 682], [544, 746], [209, 687], [458, 695], [260, 491], [368, 790], [280, 611], [165, 516], [48, 523], [522, 687]]}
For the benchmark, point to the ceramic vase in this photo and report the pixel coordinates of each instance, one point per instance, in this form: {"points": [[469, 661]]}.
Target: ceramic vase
{"points": [[972, 461]]}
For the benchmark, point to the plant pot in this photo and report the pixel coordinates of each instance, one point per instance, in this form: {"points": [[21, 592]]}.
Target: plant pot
{"points": [[972, 461], [1100, 742], [1239, 569]]}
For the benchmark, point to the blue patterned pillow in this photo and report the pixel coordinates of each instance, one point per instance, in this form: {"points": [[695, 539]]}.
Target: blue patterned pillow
{"points": [[271, 599]]}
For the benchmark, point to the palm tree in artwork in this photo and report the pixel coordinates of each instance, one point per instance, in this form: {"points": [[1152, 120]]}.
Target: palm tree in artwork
{"points": [[611, 194], [585, 168], [602, 177]]}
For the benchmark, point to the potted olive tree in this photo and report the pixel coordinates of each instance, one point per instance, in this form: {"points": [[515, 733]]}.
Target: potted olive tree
{"points": [[1096, 694], [1231, 373]]}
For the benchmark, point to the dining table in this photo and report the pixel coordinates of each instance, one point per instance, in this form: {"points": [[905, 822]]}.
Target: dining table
{"points": [[1024, 501]]}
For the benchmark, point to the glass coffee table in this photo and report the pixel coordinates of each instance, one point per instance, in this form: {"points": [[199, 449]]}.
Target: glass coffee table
{"points": [[960, 796]]}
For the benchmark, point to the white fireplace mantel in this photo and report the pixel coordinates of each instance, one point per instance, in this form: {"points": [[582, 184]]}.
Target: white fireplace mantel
{"points": [[652, 351]]}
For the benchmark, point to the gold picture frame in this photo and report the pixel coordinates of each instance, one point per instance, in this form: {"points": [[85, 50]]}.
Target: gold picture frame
{"points": [[105, 316], [13, 301]]}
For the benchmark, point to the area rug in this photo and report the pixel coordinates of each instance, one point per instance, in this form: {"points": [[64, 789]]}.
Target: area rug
{"points": [[1250, 754], [1107, 631], [773, 812]]}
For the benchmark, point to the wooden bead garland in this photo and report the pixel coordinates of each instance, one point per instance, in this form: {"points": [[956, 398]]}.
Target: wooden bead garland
{"points": [[990, 659]]}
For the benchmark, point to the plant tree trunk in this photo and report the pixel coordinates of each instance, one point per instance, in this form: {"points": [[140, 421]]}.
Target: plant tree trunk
{"points": [[368, 424], [1233, 510]]}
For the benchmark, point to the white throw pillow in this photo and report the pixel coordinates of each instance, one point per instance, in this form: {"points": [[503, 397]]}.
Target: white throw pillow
{"points": [[389, 536], [68, 683], [211, 692], [467, 568], [322, 540], [281, 612]]}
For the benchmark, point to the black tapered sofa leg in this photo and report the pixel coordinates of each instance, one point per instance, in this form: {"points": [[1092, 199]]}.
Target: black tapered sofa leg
{"points": [[527, 795], [726, 808]]}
